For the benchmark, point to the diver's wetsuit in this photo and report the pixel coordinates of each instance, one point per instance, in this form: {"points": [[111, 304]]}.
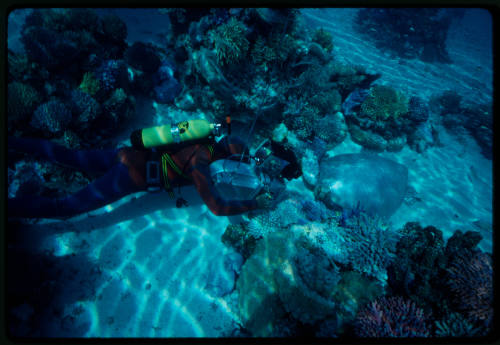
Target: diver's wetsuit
{"points": [[124, 173]]}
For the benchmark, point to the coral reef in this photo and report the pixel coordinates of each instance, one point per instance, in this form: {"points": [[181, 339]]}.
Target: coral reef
{"points": [[382, 120], [25, 179], [323, 38], [85, 108], [391, 317], [112, 74], [471, 281], [425, 270], [230, 42], [117, 109], [372, 245], [332, 129], [419, 265], [90, 84], [382, 103], [455, 325], [315, 211], [23, 99], [238, 237], [52, 116]]}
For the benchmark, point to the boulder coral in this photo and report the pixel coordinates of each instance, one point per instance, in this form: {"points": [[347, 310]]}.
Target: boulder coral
{"points": [[295, 272], [384, 102]]}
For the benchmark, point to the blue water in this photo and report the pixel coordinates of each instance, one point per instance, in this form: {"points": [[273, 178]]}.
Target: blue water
{"points": [[142, 268]]}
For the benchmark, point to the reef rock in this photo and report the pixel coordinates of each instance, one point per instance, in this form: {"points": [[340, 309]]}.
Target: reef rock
{"points": [[378, 183]]}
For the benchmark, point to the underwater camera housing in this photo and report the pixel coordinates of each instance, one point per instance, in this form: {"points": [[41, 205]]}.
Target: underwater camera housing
{"points": [[237, 180]]}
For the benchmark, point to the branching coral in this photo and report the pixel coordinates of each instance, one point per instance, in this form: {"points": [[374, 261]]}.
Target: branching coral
{"points": [[455, 325], [471, 280], [391, 317], [371, 245], [230, 42], [52, 116], [112, 74], [383, 103]]}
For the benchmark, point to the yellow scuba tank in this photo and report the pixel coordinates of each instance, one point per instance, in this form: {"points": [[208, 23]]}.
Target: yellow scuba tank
{"points": [[173, 134]]}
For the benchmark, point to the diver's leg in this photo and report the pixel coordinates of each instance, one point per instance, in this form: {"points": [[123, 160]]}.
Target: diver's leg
{"points": [[97, 161], [112, 186]]}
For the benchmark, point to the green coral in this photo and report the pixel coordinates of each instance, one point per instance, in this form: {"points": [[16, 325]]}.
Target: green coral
{"points": [[324, 39], [22, 101], [230, 42], [383, 103], [90, 84], [261, 53]]}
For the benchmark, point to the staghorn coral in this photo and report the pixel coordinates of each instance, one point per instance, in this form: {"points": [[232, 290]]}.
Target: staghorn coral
{"points": [[455, 325], [229, 41], [391, 317], [384, 102], [471, 281], [372, 245]]}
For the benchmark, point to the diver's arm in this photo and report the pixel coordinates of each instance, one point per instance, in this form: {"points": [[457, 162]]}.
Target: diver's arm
{"points": [[200, 174]]}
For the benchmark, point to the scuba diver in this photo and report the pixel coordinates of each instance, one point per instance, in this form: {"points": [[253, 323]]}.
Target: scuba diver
{"points": [[228, 179]]}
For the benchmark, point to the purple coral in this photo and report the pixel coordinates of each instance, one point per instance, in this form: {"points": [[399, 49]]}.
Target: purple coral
{"points": [[471, 281], [392, 317]]}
